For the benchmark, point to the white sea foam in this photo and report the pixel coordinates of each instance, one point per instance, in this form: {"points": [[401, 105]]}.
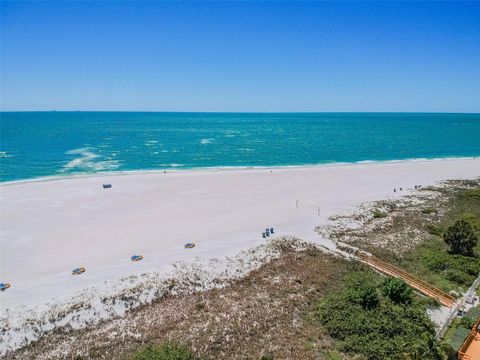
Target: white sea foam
{"points": [[112, 172], [206, 141], [87, 161], [3, 154]]}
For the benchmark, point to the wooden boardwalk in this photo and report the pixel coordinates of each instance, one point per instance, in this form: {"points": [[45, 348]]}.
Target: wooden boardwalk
{"points": [[416, 283]]}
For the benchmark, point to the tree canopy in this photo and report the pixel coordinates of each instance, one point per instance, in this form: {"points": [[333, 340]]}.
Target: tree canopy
{"points": [[460, 238]]}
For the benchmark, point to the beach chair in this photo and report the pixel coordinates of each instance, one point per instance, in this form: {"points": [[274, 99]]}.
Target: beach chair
{"points": [[271, 230], [107, 186], [267, 232], [4, 286], [78, 271], [136, 257], [189, 245], [263, 235]]}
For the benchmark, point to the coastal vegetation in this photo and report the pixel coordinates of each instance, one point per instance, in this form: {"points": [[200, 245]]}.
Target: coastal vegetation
{"points": [[461, 238], [440, 239], [166, 351], [436, 241], [448, 255], [378, 319]]}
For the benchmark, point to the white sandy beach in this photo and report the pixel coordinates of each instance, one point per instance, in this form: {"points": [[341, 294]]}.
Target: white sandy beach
{"points": [[50, 227]]}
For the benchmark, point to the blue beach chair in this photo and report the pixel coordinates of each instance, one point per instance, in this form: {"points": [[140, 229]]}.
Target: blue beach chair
{"points": [[4, 286], [78, 271], [189, 245], [136, 257]]}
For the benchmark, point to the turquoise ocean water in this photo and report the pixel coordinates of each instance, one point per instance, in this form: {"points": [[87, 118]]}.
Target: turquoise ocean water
{"points": [[39, 144]]}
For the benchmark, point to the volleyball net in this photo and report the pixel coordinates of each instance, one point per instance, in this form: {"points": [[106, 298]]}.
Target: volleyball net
{"points": [[308, 207]]}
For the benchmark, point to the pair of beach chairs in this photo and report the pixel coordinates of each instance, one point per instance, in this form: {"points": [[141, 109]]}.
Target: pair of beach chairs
{"points": [[81, 270], [268, 232]]}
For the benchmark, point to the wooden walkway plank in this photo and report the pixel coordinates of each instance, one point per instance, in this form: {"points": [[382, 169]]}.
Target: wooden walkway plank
{"points": [[415, 282]]}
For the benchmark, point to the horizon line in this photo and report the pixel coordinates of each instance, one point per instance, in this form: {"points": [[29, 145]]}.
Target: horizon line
{"points": [[247, 112]]}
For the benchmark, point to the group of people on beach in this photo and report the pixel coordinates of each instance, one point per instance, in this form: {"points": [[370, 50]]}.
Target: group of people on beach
{"points": [[401, 189]]}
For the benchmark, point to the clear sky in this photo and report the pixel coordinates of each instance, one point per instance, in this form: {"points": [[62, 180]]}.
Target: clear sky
{"points": [[241, 56]]}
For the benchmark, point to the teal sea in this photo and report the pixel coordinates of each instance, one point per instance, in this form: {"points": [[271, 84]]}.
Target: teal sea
{"points": [[41, 144]]}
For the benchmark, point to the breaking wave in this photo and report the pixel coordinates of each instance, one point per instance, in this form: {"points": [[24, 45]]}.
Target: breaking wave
{"points": [[88, 161], [206, 141]]}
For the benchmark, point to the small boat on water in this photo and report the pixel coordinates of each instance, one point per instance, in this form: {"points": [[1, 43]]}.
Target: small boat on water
{"points": [[189, 245], [136, 257], [78, 271], [4, 286]]}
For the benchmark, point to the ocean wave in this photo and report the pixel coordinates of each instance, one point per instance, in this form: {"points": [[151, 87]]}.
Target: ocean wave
{"points": [[206, 141], [3, 155], [185, 168], [86, 161]]}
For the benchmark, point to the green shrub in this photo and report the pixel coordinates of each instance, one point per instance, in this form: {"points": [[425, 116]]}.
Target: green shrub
{"points": [[362, 290], [377, 214], [433, 230], [267, 357], [458, 277], [460, 238], [473, 193], [467, 322], [397, 290], [167, 351], [383, 332]]}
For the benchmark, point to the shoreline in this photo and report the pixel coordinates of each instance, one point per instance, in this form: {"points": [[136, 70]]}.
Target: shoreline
{"points": [[197, 170]]}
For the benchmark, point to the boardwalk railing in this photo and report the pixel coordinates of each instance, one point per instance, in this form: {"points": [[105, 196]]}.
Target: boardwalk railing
{"points": [[416, 283]]}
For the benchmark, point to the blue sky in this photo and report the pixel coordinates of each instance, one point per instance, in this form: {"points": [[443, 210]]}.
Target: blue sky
{"points": [[241, 56]]}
